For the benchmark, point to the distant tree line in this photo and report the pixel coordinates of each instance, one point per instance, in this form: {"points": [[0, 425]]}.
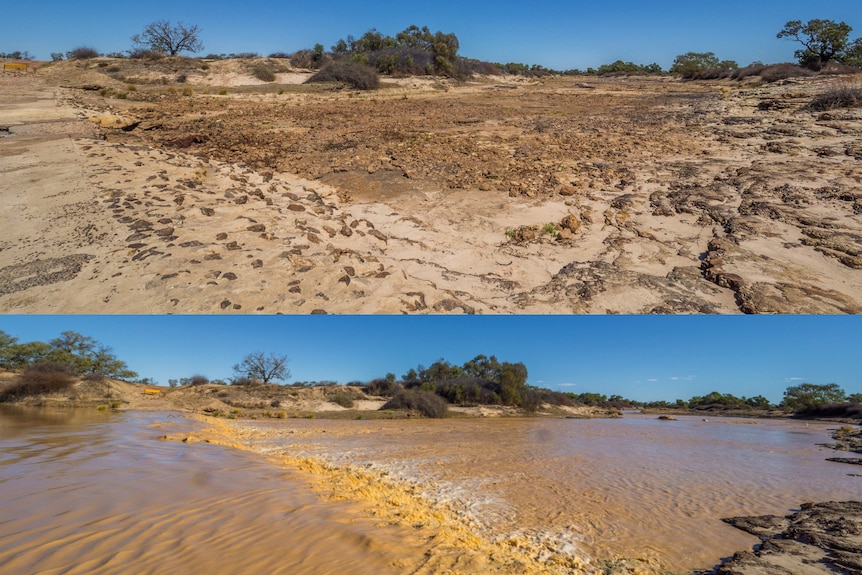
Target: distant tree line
{"points": [[16, 55], [418, 51], [797, 398]]}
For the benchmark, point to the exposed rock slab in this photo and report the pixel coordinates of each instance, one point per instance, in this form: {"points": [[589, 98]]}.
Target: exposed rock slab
{"points": [[822, 538]]}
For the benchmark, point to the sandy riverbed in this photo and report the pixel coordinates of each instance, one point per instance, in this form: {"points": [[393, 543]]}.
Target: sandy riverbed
{"points": [[497, 196]]}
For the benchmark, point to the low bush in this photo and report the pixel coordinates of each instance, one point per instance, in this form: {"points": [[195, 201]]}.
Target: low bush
{"points": [[82, 53], [357, 76], [844, 410], [748, 71], [263, 73], [143, 54], [837, 97], [778, 72], [381, 387], [343, 399], [713, 74], [198, 380], [428, 403], [40, 378]]}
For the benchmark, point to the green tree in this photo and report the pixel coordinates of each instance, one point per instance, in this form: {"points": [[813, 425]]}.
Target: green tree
{"points": [[165, 38], [339, 47], [7, 349], [853, 55], [513, 383], [591, 398], [483, 367], [81, 354], [807, 395], [822, 40], [262, 367], [855, 398], [758, 402], [688, 64]]}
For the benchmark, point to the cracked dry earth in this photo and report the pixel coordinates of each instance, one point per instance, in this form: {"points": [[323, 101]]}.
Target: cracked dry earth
{"points": [[497, 196]]}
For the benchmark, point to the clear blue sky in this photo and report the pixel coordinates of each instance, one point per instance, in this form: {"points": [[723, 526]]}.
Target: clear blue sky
{"points": [[640, 357], [555, 33]]}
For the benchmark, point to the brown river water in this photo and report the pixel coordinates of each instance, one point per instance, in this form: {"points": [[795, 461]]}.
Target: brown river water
{"points": [[94, 492]]}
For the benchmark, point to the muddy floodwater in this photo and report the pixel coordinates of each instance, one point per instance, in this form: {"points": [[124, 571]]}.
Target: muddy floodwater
{"points": [[100, 493]]}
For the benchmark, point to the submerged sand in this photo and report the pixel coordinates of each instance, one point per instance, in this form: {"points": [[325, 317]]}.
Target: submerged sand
{"points": [[496, 196]]}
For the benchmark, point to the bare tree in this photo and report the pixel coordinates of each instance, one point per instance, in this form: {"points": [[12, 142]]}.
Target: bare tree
{"points": [[262, 367], [162, 37]]}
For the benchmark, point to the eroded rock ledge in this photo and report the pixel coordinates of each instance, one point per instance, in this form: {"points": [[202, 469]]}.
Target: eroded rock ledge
{"points": [[821, 538]]}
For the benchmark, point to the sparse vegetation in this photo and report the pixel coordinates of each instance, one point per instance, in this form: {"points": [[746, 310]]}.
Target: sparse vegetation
{"points": [[837, 97]]}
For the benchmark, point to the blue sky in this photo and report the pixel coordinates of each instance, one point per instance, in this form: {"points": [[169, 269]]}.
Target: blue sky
{"points": [[555, 33], [640, 357]]}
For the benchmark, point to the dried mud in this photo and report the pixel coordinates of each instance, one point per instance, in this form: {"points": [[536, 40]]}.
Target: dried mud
{"points": [[627, 195]]}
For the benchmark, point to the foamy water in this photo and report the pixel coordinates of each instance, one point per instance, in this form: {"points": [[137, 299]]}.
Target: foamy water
{"points": [[631, 487], [89, 492]]}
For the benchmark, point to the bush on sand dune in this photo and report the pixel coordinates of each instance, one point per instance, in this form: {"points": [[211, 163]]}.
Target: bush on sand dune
{"points": [[357, 76], [39, 379], [427, 403]]}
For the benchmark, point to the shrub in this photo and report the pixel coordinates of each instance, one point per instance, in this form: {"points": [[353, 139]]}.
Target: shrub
{"points": [[713, 74], [778, 72], [381, 387], [357, 76], [263, 73], [40, 378], [843, 410], [82, 53], [427, 403], [837, 97], [198, 380], [97, 377], [188, 91], [145, 54], [343, 399]]}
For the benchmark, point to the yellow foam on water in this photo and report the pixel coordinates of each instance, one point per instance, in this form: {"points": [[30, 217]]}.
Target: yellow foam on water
{"points": [[451, 545]]}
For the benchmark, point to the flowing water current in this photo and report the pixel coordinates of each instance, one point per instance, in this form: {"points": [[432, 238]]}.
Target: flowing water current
{"points": [[94, 492]]}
